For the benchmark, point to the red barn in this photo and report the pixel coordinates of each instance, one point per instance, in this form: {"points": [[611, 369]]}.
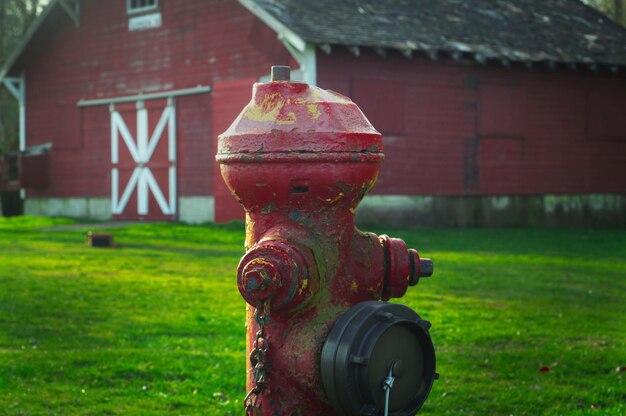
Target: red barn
{"points": [[493, 112]]}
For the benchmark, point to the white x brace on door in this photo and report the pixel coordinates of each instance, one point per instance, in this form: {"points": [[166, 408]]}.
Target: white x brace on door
{"points": [[141, 150]]}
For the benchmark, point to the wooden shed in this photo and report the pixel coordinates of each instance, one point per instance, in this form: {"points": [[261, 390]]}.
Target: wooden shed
{"points": [[493, 112]]}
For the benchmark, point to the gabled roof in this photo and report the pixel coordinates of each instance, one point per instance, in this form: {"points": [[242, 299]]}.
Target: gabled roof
{"points": [[551, 31], [55, 13]]}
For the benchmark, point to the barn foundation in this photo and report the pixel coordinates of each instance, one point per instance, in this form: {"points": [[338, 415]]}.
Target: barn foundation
{"points": [[594, 210], [192, 209]]}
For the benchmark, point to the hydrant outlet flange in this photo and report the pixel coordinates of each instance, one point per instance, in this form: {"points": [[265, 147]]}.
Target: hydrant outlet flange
{"points": [[362, 347], [279, 272]]}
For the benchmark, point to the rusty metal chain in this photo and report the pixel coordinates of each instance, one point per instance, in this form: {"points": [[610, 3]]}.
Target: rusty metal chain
{"points": [[258, 357]]}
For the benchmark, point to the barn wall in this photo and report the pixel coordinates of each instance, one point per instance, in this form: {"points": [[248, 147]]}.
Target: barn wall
{"points": [[454, 132], [453, 129], [199, 43]]}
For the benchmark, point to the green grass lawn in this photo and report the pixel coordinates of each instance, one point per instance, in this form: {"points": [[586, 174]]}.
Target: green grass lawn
{"points": [[156, 326]]}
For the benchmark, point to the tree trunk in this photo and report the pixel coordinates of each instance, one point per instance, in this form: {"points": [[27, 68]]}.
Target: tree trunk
{"points": [[618, 9]]}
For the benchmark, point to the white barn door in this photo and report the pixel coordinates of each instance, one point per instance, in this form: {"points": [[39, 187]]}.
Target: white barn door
{"points": [[143, 159]]}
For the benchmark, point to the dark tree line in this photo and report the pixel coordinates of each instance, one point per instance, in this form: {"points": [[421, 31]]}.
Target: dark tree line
{"points": [[15, 18], [615, 9]]}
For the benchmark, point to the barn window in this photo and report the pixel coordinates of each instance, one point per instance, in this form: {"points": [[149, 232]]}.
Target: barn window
{"points": [[139, 6]]}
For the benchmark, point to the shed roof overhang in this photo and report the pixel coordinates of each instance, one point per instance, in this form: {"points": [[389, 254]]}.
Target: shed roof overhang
{"points": [[57, 12], [560, 33], [302, 51]]}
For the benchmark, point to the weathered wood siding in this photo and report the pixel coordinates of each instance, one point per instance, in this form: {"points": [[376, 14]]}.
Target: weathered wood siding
{"points": [[458, 129], [199, 43], [450, 128]]}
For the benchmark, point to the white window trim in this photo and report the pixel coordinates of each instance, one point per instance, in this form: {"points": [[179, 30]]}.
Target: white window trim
{"points": [[144, 9]]}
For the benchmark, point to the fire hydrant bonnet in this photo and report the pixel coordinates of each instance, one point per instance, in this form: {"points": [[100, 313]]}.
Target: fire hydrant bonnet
{"points": [[296, 121], [322, 149]]}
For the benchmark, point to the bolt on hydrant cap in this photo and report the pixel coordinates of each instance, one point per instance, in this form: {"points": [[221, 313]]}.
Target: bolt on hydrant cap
{"points": [[281, 73]]}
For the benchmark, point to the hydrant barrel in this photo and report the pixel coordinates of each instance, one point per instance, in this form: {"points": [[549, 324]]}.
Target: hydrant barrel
{"points": [[300, 159]]}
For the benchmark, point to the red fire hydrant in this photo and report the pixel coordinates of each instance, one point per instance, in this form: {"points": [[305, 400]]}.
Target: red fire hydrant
{"points": [[300, 159]]}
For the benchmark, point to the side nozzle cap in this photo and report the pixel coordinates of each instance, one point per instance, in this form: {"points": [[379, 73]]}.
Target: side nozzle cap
{"points": [[278, 271]]}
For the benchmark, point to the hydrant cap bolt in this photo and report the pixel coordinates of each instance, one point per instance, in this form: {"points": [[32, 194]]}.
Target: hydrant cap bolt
{"points": [[260, 278], [397, 367], [281, 73], [420, 267], [426, 267]]}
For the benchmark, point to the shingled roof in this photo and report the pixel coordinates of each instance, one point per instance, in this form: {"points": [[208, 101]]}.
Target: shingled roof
{"points": [[550, 31], [530, 31]]}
